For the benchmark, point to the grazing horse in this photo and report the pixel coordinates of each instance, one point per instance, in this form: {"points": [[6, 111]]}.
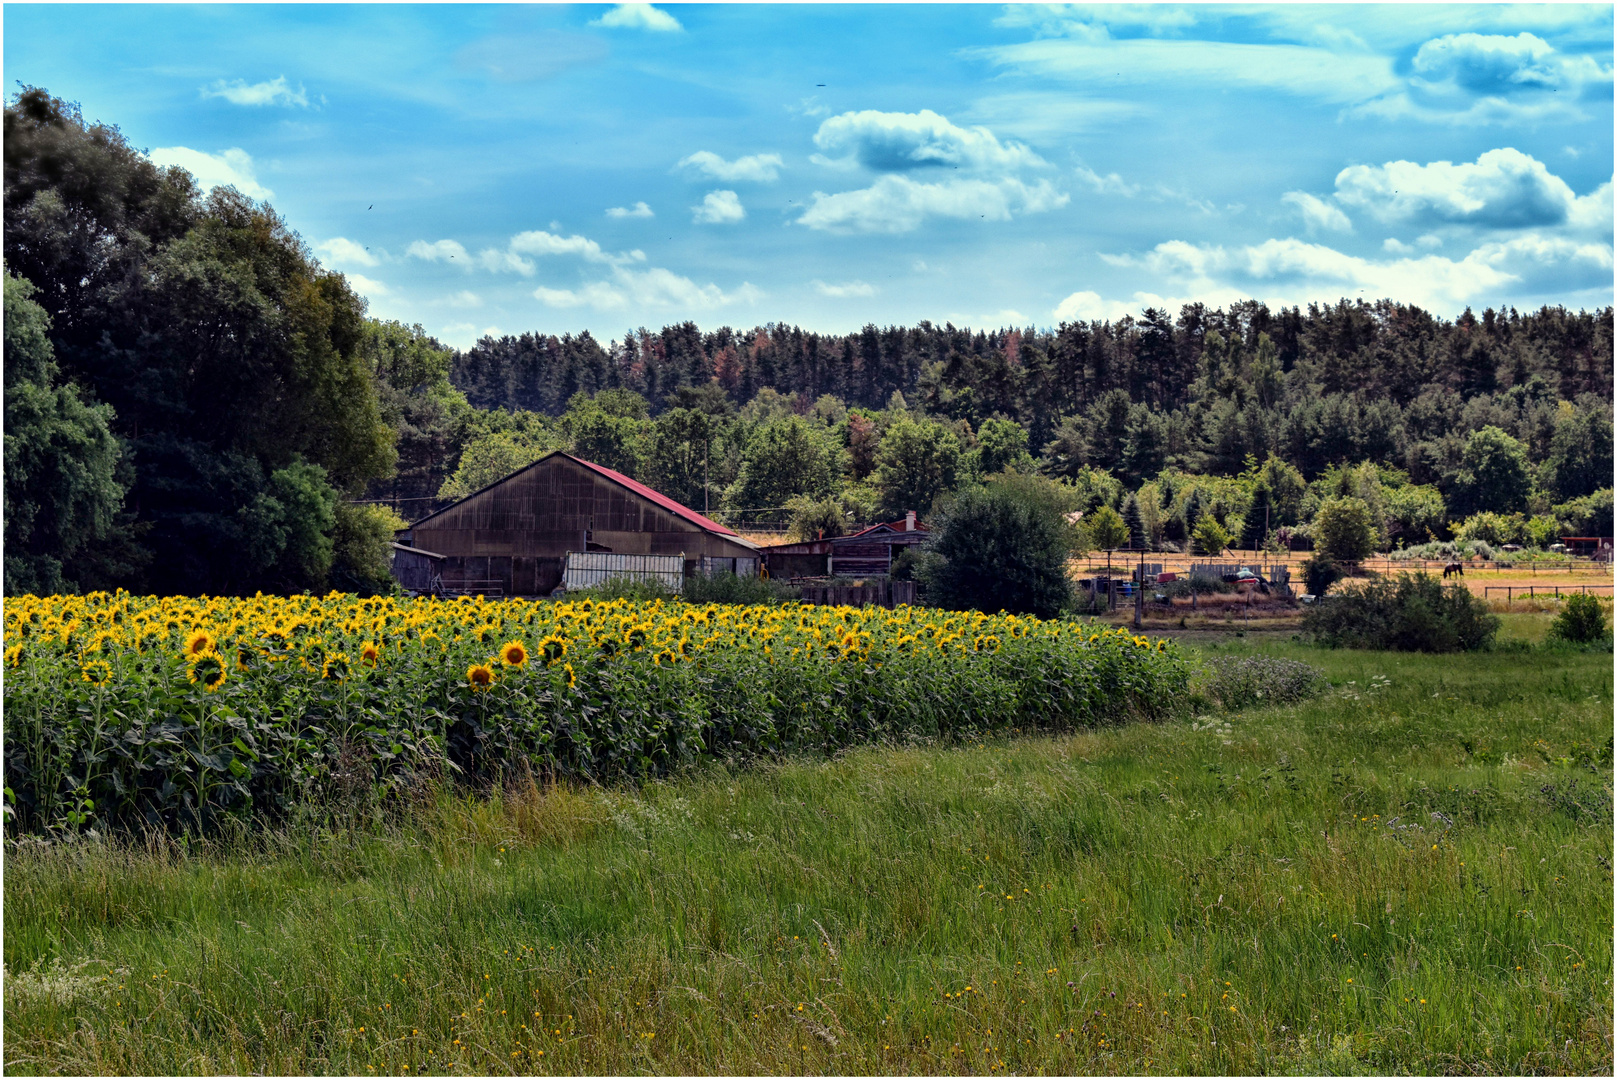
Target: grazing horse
{"points": [[1454, 568]]}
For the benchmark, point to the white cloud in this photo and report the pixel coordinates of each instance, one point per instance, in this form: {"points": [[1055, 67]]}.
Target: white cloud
{"points": [[638, 210], [1110, 184], [340, 251], [719, 208], [274, 92], [366, 287], [761, 167], [655, 287], [1303, 70], [464, 299], [1496, 64], [1051, 115], [895, 204], [1317, 213], [1292, 271], [1088, 305], [539, 242], [231, 168], [1504, 188], [496, 261], [464, 335], [1592, 212], [440, 251], [896, 142], [638, 17], [1092, 22], [845, 289]]}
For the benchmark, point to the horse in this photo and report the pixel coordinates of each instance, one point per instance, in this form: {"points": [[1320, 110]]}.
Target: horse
{"points": [[1454, 568]]}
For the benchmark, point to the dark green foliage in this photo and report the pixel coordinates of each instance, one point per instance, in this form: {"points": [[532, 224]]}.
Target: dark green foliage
{"points": [[1493, 475], [1344, 529], [996, 549], [728, 588], [1319, 573], [917, 462], [1581, 620], [1409, 613], [361, 548], [1239, 682]]}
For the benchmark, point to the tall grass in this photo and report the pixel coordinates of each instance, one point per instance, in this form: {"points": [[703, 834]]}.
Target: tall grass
{"points": [[1410, 872]]}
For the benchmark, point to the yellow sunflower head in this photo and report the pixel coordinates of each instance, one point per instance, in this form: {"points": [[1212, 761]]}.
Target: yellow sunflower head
{"points": [[336, 667], [481, 676], [514, 653], [572, 676], [14, 656], [97, 672], [370, 653], [552, 649], [207, 670]]}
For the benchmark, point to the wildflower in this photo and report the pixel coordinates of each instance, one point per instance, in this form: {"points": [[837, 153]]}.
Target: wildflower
{"points": [[481, 676], [97, 672]]}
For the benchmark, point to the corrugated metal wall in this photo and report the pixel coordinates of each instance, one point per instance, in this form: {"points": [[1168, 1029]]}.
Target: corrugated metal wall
{"points": [[588, 568]]}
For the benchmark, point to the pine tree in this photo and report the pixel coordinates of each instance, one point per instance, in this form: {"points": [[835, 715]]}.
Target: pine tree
{"points": [[1131, 518]]}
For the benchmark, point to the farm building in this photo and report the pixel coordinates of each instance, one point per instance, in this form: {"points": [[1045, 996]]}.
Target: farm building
{"points": [[512, 538], [867, 553]]}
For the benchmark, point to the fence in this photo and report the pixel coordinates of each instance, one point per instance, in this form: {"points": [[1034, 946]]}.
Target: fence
{"points": [[885, 593], [584, 569], [1531, 591]]}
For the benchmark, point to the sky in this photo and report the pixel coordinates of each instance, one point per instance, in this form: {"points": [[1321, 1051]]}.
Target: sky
{"points": [[506, 169]]}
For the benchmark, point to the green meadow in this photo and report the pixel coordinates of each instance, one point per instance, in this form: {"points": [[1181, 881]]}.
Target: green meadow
{"points": [[1410, 873]]}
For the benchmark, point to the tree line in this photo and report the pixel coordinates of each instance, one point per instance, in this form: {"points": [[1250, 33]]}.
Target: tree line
{"points": [[194, 404]]}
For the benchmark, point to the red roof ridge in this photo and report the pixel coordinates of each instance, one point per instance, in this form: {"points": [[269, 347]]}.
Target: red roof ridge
{"points": [[657, 497]]}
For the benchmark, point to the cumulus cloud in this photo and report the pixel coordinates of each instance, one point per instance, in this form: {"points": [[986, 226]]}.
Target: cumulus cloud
{"points": [[275, 92], [496, 261], [1503, 188], [845, 289], [639, 17], [1497, 64], [463, 299], [896, 204], [638, 210], [340, 251], [440, 251], [539, 242], [1110, 184], [231, 168], [719, 208], [1292, 271], [761, 167], [897, 142], [1317, 213], [654, 287], [366, 287]]}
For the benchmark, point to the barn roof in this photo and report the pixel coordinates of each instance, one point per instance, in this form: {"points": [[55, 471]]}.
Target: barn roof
{"points": [[701, 522]]}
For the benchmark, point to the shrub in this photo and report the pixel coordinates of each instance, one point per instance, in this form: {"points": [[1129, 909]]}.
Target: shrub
{"points": [[995, 549], [1320, 572], [1409, 613], [1581, 620], [1232, 682], [728, 588], [1209, 537], [1201, 584]]}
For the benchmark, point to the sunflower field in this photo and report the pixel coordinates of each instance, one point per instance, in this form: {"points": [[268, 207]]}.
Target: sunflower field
{"points": [[174, 711]]}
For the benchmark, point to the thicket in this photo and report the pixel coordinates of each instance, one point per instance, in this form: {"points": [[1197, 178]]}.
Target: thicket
{"points": [[1407, 613]]}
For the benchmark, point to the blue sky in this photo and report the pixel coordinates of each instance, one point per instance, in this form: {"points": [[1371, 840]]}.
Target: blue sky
{"points": [[551, 168]]}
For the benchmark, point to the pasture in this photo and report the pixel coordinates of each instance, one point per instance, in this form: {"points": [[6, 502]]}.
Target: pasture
{"points": [[1408, 873]]}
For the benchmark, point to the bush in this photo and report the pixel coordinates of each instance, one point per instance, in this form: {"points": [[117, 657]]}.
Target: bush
{"points": [[1231, 682], [1320, 572], [996, 549], [1344, 530], [1209, 537], [1409, 613], [1581, 620], [1201, 584], [728, 588], [361, 546]]}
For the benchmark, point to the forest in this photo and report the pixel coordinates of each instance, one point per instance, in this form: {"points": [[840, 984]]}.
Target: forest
{"points": [[194, 404]]}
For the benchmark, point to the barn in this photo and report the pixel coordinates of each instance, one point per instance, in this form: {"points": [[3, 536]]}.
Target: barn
{"points": [[866, 553], [512, 538]]}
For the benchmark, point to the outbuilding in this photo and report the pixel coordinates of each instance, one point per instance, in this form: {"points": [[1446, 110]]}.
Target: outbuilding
{"points": [[867, 553], [512, 537]]}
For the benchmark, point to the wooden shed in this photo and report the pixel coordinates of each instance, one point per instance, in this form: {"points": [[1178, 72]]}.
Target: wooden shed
{"points": [[512, 537], [866, 553]]}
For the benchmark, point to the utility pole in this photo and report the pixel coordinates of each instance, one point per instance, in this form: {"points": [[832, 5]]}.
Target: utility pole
{"points": [[1139, 591]]}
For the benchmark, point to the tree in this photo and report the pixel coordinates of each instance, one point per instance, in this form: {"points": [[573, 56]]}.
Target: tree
{"points": [[1493, 474], [1106, 528], [785, 456], [1135, 525], [1343, 529], [608, 430], [62, 493], [1209, 537], [679, 456], [1581, 621], [917, 463], [1258, 521], [1320, 572], [488, 458], [361, 548], [1415, 513], [1001, 446], [995, 550]]}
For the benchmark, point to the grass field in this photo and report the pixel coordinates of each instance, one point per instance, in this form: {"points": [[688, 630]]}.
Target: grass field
{"points": [[1411, 873]]}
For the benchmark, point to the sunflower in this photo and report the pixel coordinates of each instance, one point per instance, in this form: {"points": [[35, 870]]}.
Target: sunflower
{"points": [[208, 670], [313, 656], [97, 672], [336, 667], [515, 654], [988, 643], [552, 649], [245, 656], [572, 676], [14, 656], [481, 676], [666, 656], [370, 653], [636, 637]]}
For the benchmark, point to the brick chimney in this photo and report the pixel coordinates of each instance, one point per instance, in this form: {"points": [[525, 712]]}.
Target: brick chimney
{"points": [[909, 521]]}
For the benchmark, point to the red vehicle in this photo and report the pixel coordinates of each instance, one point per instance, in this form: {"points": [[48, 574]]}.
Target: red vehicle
{"points": [[1167, 576]]}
